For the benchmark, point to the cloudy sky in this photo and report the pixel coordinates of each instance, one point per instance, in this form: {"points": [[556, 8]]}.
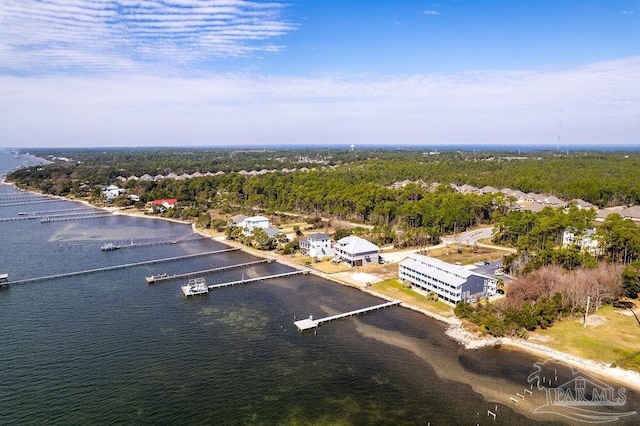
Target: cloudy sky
{"points": [[401, 72]]}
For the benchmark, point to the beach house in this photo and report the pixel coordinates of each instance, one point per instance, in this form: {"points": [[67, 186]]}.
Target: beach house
{"points": [[356, 251], [317, 245]]}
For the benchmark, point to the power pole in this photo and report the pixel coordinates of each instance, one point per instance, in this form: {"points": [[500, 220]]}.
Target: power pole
{"points": [[584, 323]]}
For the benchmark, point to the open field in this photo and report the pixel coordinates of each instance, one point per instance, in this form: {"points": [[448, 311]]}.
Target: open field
{"points": [[612, 335], [464, 254]]}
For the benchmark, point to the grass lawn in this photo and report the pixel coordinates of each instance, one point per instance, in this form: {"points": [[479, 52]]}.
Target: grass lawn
{"points": [[465, 255], [393, 288], [613, 337]]}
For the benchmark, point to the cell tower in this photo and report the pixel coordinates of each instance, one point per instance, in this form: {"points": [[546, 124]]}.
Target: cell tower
{"points": [[559, 128]]}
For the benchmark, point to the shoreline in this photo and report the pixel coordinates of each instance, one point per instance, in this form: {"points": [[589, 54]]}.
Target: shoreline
{"points": [[454, 330]]}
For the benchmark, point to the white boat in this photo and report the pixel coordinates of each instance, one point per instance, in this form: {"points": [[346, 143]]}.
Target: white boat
{"points": [[110, 247], [194, 287], [153, 278], [4, 278]]}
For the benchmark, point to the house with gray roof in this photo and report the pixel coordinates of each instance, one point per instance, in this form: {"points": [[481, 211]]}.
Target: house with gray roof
{"points": [[356, 251], [451, 283], [317, 245], [632, 213]]}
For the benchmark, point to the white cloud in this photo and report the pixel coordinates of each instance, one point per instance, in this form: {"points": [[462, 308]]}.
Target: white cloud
{"points": [[431, 12], [81, 35], [601, 104]]}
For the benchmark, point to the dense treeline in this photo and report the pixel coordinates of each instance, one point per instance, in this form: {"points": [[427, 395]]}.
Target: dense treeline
{"points": [[600, 178]]}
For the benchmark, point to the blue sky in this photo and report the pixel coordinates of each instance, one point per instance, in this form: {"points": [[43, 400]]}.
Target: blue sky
{"points": [[226, 72]]}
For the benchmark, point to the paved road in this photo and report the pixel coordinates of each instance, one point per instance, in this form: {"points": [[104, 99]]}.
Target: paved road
{"points": [[470, 237]]}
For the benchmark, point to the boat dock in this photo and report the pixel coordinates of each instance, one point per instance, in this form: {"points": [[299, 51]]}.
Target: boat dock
{"points": [[252, 280], [310, 323], [63, 218], [112, 246], [195, 287], [165, 277], [22, 203], [127, 265]]}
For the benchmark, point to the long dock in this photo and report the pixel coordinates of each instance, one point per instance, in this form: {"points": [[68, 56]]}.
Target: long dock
{"points": [[310, 323], [96, 215], [57, 217], [126, 265], [112, 247], [253, 280], [22, 203], [157, 278]]}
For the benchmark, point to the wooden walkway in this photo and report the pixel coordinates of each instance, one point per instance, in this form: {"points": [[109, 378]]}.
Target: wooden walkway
{"points": [[253, 280], [63, 218], [111, 268], [133, 245], [157, 278], [310, 323], [22, 203]]}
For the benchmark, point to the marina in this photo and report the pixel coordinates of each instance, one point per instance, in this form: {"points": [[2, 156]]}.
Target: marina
{"points": [[165, 277], [195, 287], [310, 323]]}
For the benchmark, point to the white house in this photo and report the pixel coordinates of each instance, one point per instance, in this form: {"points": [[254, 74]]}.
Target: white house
{"points": [[356, 251], [112, 192], [254, 222], [451, 283], [249, 223], [585, 239], [317, 245], [160, 206]]}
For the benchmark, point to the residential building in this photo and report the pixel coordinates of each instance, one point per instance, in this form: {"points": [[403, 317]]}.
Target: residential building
{"points": [[317, 245], [356, 251], [451, 283], [585, 240], [254, 222], [112, 192], [159, 206], [250, 223]]}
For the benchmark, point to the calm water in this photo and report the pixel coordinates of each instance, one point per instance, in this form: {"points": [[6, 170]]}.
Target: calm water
{"points": [[106, 348]]}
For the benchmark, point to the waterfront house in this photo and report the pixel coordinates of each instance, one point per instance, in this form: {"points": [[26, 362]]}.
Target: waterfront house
{"points": [[451, 283], [356, 251], [317, 245], [249, 223], [112, 192], [161, 206]]}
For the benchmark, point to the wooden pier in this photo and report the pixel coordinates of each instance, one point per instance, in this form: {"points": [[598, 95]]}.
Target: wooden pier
{"points": [[63, 218], [310, 323], [111, 246], [127, 265], [22, 203], [165, 277], [253, 280], [57, 217]]}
